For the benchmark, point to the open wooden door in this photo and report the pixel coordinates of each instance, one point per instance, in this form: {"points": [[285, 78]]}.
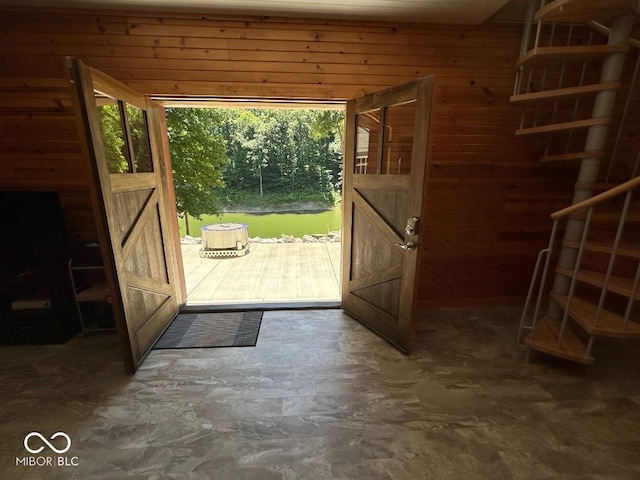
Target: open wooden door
{"points": [[120, 129], [386, 150]]}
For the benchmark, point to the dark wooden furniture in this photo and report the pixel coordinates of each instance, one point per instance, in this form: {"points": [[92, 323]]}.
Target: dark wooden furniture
{"points": [[36, 300]]}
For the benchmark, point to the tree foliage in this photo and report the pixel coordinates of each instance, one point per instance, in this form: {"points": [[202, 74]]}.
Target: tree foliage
{"points": [[199, 159], [113, 138], [326, 123], [275, 151], [230, 154]]}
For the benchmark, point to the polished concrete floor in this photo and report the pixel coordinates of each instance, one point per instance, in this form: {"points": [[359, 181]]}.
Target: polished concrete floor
{"points": [[321, 397]]}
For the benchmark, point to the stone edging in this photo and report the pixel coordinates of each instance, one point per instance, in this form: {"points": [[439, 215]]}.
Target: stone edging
{"points": [[331, 237]]}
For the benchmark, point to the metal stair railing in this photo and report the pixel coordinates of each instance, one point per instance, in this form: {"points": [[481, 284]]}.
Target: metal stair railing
{"points": [[544, 260], [543, 255], [635, 45], [620, 130], [541, 78]]}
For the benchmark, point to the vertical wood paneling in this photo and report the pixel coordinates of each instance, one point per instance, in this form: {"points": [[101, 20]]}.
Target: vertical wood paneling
{"points": [[487, 199]]}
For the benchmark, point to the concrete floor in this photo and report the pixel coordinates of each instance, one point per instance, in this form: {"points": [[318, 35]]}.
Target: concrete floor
{"points": [[322, 397]]}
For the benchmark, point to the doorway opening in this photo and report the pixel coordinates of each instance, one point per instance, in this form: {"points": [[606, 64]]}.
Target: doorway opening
{"points": [[277, 174]]}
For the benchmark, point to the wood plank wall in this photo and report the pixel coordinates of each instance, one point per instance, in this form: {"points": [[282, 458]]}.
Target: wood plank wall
{"points": [[488, 198]]}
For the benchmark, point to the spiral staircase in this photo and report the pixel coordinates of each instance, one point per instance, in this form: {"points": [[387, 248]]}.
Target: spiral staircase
{"points": [[576, 84]]}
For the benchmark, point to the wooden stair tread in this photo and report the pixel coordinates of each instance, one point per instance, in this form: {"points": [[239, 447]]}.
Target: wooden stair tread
{"points": [[609, 324], [625, 249], [563, 93], [620, 285], [572, 156], [547, 56], [566, 126], [96, 292], [544, 338], [582, 11]]}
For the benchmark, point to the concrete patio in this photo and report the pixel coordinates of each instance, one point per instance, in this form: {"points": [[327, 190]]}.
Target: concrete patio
{"points": [[277, 273]]}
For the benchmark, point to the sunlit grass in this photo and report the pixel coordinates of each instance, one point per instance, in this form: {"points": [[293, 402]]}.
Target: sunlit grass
{"points": [[272, 225]]}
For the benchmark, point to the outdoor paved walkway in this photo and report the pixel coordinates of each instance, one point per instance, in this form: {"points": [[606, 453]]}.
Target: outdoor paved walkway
{"points": [[270, 273]]}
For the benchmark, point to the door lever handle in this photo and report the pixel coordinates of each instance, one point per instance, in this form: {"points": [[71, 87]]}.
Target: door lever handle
{"points": [[408, 245]]}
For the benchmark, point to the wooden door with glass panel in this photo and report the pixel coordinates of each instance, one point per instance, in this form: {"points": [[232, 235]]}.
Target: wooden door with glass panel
{"points": [[385, 157], [121, 130]]}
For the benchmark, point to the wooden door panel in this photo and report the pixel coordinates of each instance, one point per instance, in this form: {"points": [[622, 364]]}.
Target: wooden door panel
{"points": [[146, 258], [141, 282], [144, 209], [121, 132], [370, 252], [128, 207], [386, 205], [384, 294], [131, 183], [156, 321], [374, 216], [377, 320], [385, 158]]}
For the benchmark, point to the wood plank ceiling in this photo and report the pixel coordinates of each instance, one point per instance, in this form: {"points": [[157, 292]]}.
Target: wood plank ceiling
{"points": [[472, 12]]}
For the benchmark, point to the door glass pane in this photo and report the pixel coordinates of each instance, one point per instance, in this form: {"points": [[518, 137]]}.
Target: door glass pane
{"points": [[367, 141], [139, 139], [398, 138], [112, 135]]}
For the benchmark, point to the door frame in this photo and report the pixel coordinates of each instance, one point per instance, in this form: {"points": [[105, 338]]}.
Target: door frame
{"points": [[168, 198], [176, 101]]}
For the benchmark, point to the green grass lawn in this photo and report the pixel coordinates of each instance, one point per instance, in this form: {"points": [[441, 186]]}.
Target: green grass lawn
{"points": [[272, 225]]}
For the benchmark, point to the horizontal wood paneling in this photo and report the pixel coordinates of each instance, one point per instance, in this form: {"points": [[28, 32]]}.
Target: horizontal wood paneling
{"points": [[487, 200]]}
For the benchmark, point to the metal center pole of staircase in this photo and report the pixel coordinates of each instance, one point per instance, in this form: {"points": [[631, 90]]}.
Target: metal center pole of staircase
{"points": [[596, 141]]}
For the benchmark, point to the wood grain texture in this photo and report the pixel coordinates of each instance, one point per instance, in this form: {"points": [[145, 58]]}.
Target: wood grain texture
{"points": [[476, 163], [135, 218], [271, 272]]}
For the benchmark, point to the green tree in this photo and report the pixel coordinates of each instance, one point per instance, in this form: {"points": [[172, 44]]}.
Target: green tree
{"points": [[328, 123], [117, 154], [113, 138], [291, 154], [199, 158]]}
